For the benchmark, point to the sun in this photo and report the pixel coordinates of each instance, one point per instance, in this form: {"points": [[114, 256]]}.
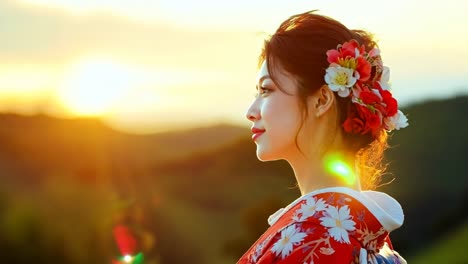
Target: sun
{"points": [[94, 86]]}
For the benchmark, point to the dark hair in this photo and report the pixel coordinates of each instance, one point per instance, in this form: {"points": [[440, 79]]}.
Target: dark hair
{"points": [[299, 46]]}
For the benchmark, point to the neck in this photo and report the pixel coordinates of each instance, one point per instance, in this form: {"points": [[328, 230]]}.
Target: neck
{"points": [[311, 174]]}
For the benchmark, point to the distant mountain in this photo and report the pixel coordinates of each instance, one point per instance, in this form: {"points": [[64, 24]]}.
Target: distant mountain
{"points": [[42, 143]]}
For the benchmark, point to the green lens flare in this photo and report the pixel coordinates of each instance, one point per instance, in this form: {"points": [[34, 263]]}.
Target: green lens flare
{"points": [[137, 259], [335, 165]]}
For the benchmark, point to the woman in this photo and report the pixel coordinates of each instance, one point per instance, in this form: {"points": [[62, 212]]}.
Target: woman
{"points": [[323, 105]]}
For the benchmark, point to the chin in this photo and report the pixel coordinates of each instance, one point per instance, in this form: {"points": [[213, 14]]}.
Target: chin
{"points": [[266, 155]]}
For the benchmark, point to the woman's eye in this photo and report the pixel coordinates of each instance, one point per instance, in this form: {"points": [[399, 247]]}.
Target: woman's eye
{"points": [[263, 90]]}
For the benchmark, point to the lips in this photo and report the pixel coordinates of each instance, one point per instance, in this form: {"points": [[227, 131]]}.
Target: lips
{"points": [[257, 132]]}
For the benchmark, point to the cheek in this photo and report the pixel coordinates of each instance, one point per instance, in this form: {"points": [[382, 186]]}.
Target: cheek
{"points": [[282, 118]]}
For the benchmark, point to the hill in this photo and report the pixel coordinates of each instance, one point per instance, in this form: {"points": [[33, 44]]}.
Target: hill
{"points": [[38, 144]]}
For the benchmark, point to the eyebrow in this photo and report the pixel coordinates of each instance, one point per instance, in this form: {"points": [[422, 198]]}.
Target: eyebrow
{"points": [[261, 79]]}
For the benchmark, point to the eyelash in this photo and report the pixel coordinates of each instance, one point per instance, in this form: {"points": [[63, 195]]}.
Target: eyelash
{"points": [[262, 90]]}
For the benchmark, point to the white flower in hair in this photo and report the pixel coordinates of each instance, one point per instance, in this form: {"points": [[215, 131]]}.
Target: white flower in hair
{"points": [[374, 52], [341, 79], [384, 80], [396, 121]]}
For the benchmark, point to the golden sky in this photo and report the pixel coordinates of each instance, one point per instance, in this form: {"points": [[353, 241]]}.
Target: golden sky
{"points": [[149, 65]]}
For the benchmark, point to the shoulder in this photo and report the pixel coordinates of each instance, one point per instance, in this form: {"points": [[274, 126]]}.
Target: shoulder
{"points": [[335, 225], [317, 229]]}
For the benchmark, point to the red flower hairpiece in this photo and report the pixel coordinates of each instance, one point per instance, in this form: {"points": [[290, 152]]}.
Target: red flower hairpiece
{"points": [[358, 74]]}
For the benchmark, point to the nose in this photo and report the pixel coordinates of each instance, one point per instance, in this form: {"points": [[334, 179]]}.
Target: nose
{"points": [[253, 112]]}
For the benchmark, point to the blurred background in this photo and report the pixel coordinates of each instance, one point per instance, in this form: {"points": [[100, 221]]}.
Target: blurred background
{"points": [[123, 137]]}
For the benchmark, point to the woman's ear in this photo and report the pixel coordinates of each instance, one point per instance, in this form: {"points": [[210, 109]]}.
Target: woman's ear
{"points": [[323, 100]]}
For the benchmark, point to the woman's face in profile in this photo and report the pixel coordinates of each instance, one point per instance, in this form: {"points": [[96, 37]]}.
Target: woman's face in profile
{"points": [[276, 112]]}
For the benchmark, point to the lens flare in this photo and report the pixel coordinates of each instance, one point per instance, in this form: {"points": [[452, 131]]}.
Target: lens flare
{"points": [[336, 166], [125, 239], [127, 258]]}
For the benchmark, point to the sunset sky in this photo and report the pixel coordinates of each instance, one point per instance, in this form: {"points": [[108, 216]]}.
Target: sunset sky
{"points": [[154, 65]]}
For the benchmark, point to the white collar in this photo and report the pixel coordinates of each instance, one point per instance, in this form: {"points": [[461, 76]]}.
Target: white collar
{"points": [[384, 207]]}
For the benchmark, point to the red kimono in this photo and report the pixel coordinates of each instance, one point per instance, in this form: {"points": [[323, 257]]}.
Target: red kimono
{"points": [[332, 225]]}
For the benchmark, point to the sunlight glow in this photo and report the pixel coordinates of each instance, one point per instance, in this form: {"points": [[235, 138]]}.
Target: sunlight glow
{"points": [[24, 80], [335, 165], [175, 64], [94, 86], [104, 87]]}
